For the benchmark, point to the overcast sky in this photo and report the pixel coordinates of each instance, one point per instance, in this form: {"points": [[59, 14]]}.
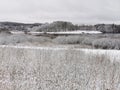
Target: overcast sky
{"points": [[76, 11]]}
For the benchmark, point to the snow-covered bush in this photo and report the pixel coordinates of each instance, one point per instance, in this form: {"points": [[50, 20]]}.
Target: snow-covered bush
{"points": [[107, 43], [68, 39], [88, 41], [15, 39]]}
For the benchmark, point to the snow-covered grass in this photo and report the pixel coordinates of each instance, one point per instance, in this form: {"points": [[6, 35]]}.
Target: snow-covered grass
{"points": [[19, 39], [75, 39], [68, 39], [58, 68], [106, 43], [110, 53]]}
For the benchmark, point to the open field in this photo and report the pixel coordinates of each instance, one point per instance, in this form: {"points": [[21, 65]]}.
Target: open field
{"points": [[59, 62], [58, 68], [60, 45]]}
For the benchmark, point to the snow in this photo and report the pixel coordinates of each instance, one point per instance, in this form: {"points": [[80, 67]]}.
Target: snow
{"points": [[67, 32], [57, 68], [112, 54], [17, 32], [76, 32]]}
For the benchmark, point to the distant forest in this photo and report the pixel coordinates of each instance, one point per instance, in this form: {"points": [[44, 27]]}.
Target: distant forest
{"points": [[58, 26]]}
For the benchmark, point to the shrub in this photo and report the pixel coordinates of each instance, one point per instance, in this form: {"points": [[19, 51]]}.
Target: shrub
{"points": [[4, 31], [106, 43], [15, 39], [88, 41], [68, 39]]}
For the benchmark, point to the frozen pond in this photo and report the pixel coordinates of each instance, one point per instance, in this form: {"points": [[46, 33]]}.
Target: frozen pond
{"points": [[67, 32]]}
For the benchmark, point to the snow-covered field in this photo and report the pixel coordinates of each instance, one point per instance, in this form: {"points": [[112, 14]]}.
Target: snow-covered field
{"points": [[112, 54], [58, 68]]}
